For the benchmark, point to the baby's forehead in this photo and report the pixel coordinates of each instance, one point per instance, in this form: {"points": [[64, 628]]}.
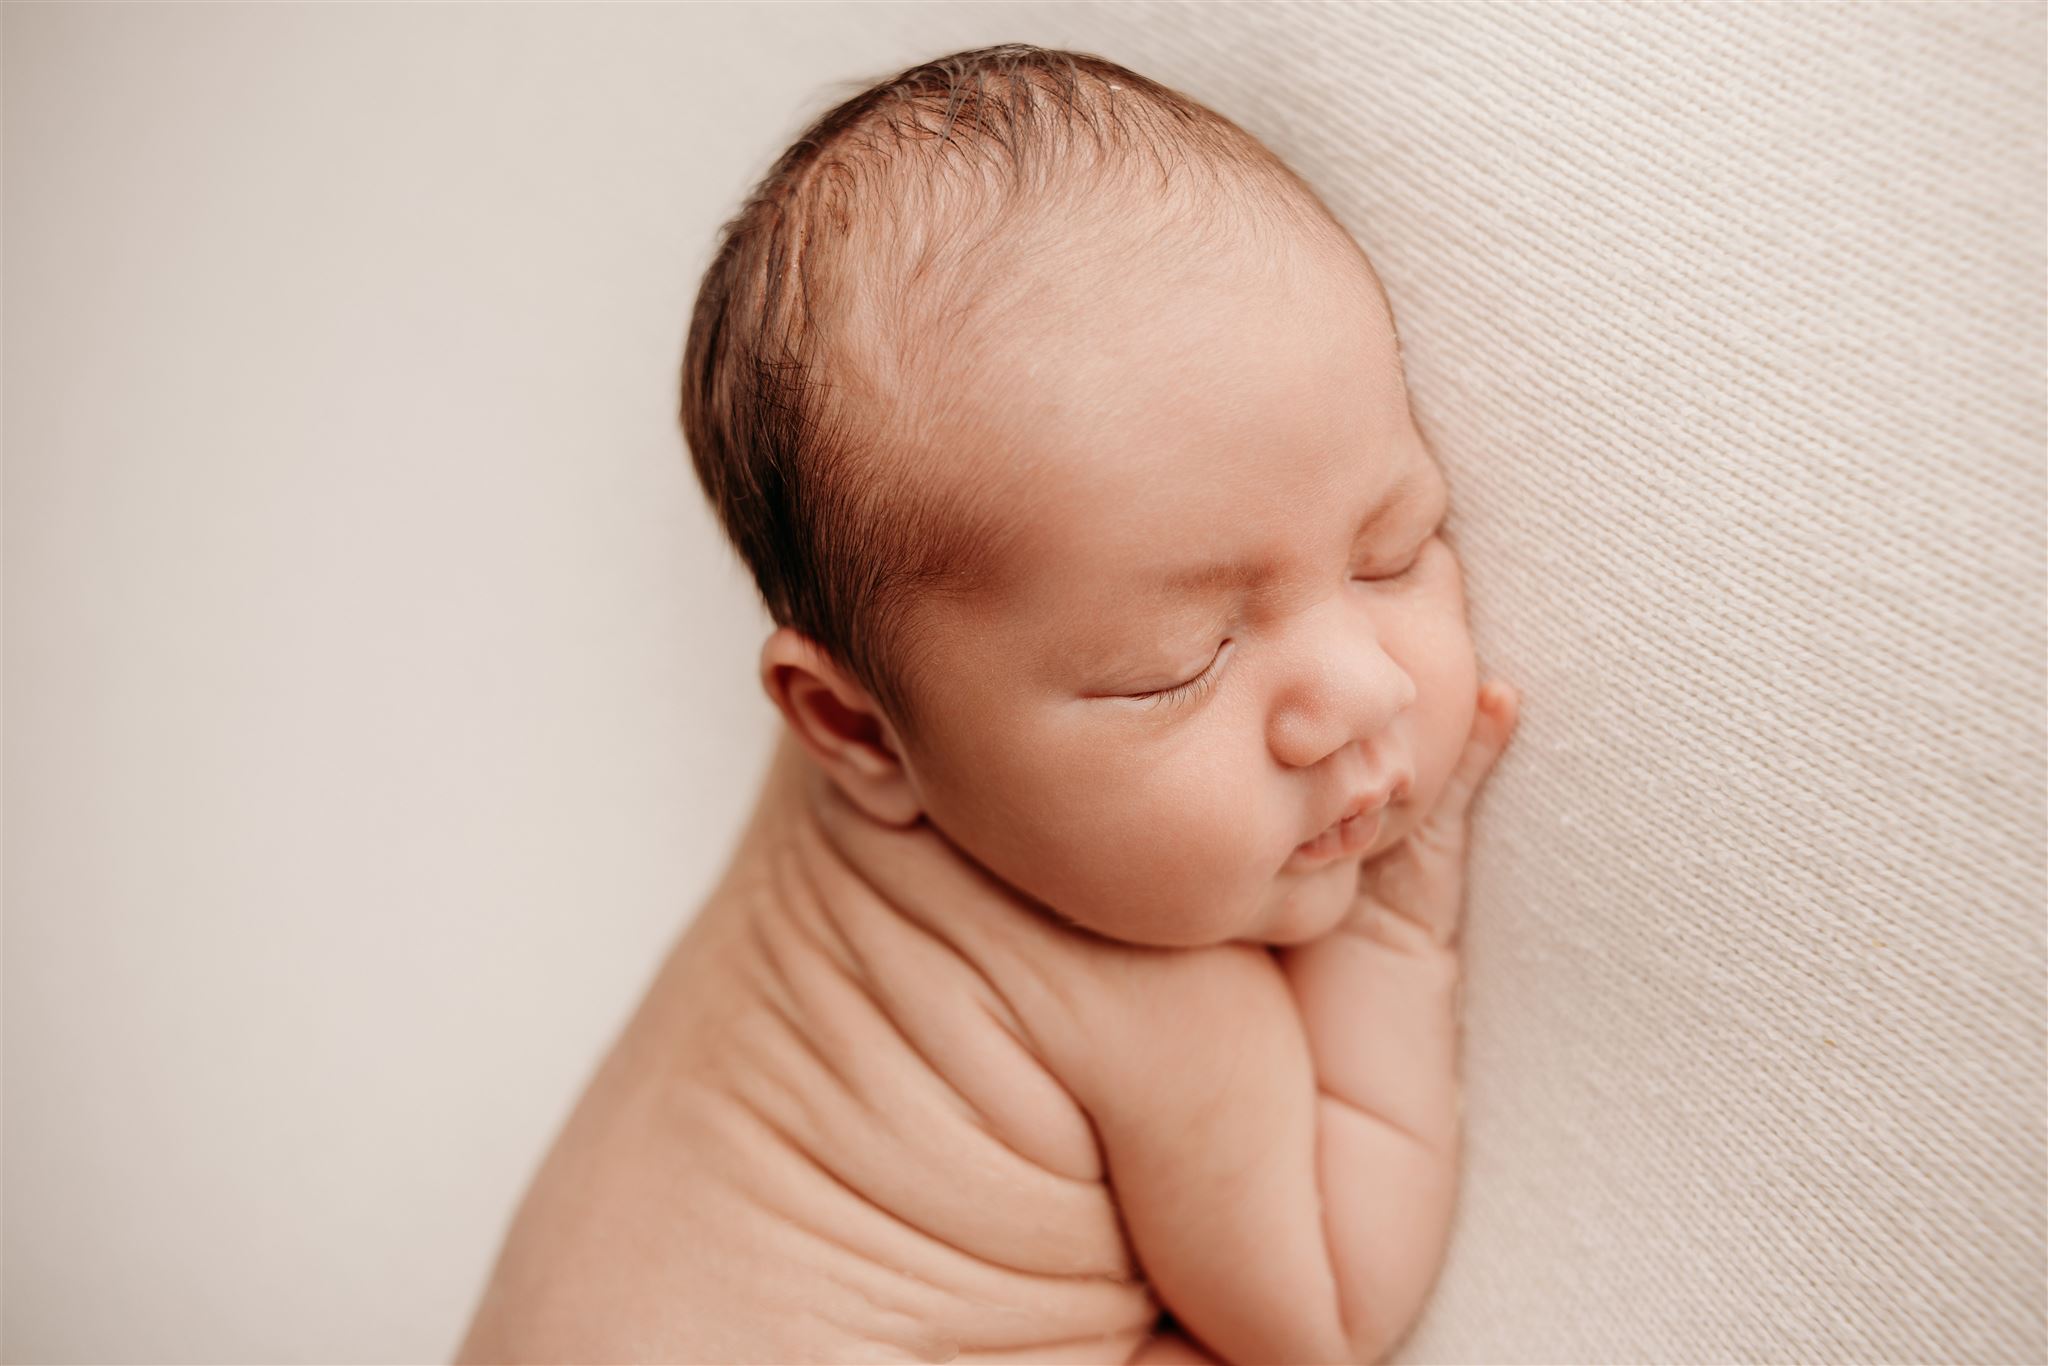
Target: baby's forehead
{"points": [[1130, 535], [1128, 393], [1087, 384]]}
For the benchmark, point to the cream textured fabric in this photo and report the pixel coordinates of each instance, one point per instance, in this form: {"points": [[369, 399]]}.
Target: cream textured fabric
{"points": [[1727, 323]]}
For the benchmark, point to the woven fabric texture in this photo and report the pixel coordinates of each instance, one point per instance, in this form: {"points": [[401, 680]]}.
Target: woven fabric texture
{"points": [[1727, 322]]}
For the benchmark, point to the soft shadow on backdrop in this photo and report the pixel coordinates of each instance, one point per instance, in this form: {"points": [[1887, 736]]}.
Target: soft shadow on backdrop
{"points": [[379, 697]]}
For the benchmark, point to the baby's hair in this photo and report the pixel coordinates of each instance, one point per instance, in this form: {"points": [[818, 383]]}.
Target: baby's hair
{"points": [[846, 275]]}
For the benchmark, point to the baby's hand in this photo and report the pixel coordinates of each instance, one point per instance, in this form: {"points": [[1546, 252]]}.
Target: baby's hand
{"points": [[1378, 1000], [1414, 893]]}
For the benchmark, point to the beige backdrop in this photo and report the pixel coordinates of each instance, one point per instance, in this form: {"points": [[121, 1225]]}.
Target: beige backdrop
{"points": [[379, 700]]}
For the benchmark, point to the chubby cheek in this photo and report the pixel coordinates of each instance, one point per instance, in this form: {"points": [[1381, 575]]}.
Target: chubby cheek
{"points": [[1160, 847], [1171, 849]]}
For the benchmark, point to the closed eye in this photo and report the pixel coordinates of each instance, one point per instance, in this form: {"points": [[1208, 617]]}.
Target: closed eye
{"points": [[1414, 563], [1397, 574], [1181, 694]]}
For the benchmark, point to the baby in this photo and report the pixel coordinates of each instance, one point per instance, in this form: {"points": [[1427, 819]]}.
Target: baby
{"points": [[1085, 988]]}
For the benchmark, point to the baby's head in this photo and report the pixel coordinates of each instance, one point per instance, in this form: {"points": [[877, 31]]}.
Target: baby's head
{"points": [[1065, 434]]}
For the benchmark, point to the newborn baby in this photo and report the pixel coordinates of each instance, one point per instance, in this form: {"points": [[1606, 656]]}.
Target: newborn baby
{"points": [[1085, 986]]}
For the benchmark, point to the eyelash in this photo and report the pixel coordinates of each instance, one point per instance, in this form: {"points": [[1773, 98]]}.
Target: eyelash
{"points": [[1182, 694]]}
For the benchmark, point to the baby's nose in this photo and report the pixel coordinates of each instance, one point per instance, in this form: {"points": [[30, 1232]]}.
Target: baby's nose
{"points": [[1351, 690]]}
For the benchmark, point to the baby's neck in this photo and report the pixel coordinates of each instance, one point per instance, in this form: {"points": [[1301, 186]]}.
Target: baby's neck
{"points": [[809, 841], [788, 849]]}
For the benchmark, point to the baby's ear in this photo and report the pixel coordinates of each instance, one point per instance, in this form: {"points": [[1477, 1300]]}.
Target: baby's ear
{"points": [[839, 726]]}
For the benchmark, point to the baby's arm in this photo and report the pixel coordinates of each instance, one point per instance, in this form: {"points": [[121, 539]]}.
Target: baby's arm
{"points": [[1379, 1001], [1284, 1149]]}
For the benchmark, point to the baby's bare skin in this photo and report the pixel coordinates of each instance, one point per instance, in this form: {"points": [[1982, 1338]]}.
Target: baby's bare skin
{"points": [[875, 1107], [828, 1135]]}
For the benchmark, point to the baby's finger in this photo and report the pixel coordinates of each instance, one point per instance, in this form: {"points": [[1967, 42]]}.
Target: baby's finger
{"points": [[1493, 725], [1422, 878]]}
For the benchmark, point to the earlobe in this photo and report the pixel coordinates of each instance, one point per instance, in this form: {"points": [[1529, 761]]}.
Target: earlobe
{"points": [[839, 725]]}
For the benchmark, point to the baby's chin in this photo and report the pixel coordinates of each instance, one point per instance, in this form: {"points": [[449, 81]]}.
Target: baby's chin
{"points": [[1315, 905]]}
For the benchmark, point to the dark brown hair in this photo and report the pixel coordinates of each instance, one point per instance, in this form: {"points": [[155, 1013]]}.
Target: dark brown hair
{"points": [[860, 260]]}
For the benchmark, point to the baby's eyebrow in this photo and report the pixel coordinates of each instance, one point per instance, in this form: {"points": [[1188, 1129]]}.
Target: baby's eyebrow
{"points": [[1221, 574], [1256, 573]]}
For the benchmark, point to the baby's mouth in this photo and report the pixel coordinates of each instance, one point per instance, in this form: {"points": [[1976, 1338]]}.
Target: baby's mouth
{"points": [[1352, 835]]}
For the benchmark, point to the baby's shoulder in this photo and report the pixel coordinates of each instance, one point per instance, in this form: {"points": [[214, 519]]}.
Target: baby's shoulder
{"points": [[1164, 1017], [1025, 1008], [964, 990], [943, 920], [1104, 1020]]}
